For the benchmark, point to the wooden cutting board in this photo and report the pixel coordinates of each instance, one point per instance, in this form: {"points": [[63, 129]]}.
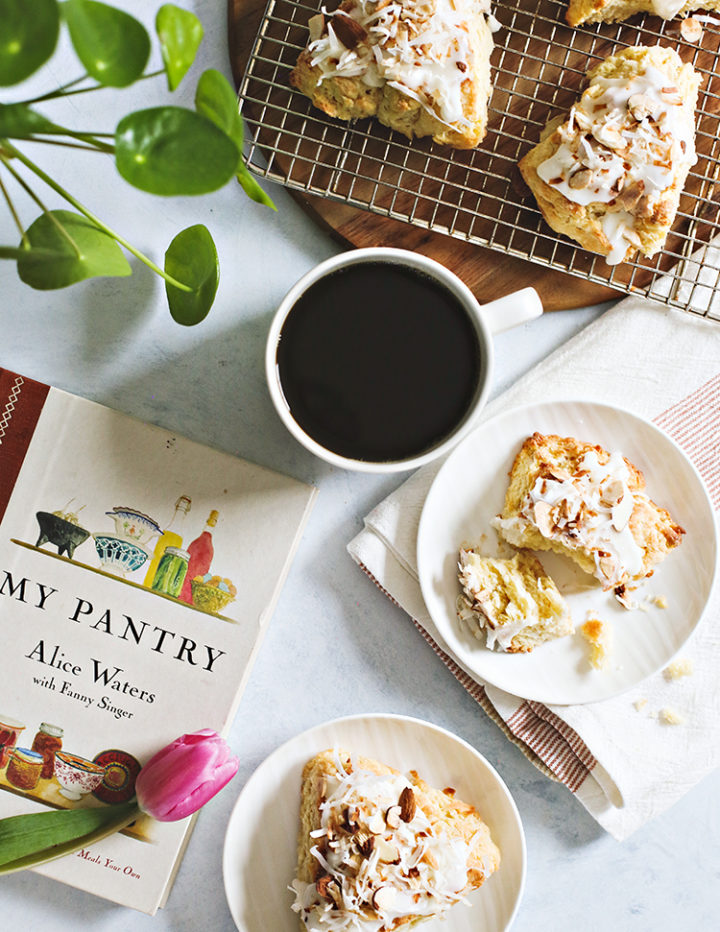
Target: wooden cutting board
{"points": [[488, 274]]}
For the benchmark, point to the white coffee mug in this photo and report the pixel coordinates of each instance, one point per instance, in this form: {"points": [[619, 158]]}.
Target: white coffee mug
{"points": [[486, 319]]}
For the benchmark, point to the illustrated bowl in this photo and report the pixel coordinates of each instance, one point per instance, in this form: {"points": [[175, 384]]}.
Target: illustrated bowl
{"points": [[76, 776], [118, 555], [209, 598], [65, 535], [133, 525]]}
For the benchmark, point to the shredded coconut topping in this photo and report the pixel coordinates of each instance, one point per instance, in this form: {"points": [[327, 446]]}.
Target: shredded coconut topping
{"points": [[381, 857], [590, 510], [419, 47], [622, 145]]}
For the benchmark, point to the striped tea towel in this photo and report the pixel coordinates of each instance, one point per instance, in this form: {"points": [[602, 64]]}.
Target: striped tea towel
{"points": [[622, 761]]}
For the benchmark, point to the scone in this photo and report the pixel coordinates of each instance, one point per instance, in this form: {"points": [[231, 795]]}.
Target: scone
{"points": [[422, 67], [382, 851], [511, 604], [610, 176], [579, 500], [613, 11]]}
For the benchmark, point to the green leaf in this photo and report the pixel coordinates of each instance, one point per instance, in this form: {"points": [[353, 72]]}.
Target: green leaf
{"points": [[216, 100], [180, 33], [85, 252], [113, 46], [27, 840], [192, 259], [252, 188], [19, 121], [28, 35], [170, 150]]}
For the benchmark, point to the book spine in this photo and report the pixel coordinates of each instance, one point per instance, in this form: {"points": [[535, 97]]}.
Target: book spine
{"points": [[21, 401]]}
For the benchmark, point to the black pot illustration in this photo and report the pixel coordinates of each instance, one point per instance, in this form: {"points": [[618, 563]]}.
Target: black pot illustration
{"points": [[65, 535]]}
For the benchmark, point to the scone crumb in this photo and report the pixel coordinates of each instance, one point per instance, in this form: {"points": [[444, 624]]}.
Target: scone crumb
{"points": [[671, 717], [598, 634], [640, 704], [660, 601], [679, 668]]}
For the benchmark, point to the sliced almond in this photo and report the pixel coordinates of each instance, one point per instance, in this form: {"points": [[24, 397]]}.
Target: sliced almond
{"points": [[606, 565], [581, 179], [612, 491], [407, 804], [384, 898], [386, 850], [392, 816], [376, 824], [316, 25], [630, 195], [543, 520], [323, 885], [365, 842], [609, 135], [639, 106], [691, 29], [348, 30]]}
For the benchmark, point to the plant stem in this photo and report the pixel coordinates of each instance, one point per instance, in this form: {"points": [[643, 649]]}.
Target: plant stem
{"points": [[67, 145], [29, 191], [60, 91], [13, 212], [90, 216]]}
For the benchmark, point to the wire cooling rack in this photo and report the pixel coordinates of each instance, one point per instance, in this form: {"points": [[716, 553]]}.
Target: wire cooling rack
{"points": [[539, 65]]}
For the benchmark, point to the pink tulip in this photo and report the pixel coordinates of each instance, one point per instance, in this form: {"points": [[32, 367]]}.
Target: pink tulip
{"points": [[182, 777]]}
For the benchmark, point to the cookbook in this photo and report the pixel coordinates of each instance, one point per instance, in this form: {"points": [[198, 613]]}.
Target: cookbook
{"points": [[138, 572]]}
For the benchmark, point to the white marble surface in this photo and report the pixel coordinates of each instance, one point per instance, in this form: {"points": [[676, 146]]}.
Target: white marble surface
{"points": [[335, 646]]}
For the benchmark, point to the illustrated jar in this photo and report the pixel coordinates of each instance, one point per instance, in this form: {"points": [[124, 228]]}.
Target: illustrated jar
{"points": [[24, 768], [9, 734], [47, 741], [171, 571]]}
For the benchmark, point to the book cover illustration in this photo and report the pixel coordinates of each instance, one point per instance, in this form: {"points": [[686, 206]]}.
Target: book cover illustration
{"points": [[138, 571]]}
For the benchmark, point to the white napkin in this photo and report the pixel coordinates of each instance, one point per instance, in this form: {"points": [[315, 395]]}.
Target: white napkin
{"points": [[624, 764]]}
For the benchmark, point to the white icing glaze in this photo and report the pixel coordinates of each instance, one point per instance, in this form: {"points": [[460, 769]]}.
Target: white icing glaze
{"points": [[419, 47], [667, 9], [431, 870], [622, 135], [594, 514]]}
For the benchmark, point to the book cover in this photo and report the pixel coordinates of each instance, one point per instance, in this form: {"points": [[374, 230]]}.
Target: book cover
{"points": [[138, 571]]}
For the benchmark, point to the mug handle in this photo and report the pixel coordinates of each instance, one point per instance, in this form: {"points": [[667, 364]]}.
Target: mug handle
{"points": [[512, 309]]}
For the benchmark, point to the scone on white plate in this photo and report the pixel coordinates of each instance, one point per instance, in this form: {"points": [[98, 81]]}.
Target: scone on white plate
{"points": [[380, 850], [613, 11], [421, 67], [511, 604], [577, 499], [611, 173]]}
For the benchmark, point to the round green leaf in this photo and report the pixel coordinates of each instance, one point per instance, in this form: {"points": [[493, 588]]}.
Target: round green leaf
{"points": [[192, 259], [28, 35], [170, 150], [84, 251], [215, 99], [180, 33], [19, 121], [113, 46]]}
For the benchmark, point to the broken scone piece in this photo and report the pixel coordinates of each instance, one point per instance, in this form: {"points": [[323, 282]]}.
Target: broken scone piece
{"points": [[512, 604], [613, 11], [380, 850], [579, 500], [422, 67], [598, 634], [610, 176]]}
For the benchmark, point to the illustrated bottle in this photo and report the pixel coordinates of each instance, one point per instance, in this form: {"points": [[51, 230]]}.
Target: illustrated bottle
{"points": [[171, 537], [201, 552]]}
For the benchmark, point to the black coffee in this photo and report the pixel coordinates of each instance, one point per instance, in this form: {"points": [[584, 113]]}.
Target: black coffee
{"points": [[378, 362]]}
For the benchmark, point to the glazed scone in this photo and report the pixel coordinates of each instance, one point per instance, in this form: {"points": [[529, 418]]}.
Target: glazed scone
{"points": [[579, 500], [614, 11], [421, 67], [512, 605], [381, 851], [610, 176]]}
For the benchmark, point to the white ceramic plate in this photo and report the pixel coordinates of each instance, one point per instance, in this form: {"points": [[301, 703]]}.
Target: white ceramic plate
{"points": [[469, 491], [260, 845]]}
